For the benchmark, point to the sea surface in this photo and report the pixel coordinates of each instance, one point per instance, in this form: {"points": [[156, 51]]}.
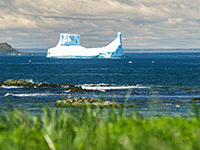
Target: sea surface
{"points": [[158, 83]]}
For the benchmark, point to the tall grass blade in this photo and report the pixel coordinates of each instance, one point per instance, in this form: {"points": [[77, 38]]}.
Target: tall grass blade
{"points": [[49, 142], [195, 108]]}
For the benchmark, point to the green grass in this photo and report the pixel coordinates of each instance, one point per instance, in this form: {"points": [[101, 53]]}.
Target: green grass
{"points": [[85, 128]]}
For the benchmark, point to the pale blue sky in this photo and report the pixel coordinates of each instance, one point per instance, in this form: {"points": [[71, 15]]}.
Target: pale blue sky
{"points": [[143, 23]]}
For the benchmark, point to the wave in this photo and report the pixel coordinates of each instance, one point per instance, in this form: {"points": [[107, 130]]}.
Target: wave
{"points": [[34, 94], [104, 87], [11, 87], [30, 80]]}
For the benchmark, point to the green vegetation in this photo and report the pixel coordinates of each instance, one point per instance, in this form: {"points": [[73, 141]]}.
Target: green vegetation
{"points": [[86, 128], [3, 43]]}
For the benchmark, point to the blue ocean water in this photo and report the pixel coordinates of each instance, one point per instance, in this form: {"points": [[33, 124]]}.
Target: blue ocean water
{"points": [[164, 81]]}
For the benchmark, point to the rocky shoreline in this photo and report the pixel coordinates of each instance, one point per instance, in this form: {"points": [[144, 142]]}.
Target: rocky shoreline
{"points": [[69, 102], [25, 83]]}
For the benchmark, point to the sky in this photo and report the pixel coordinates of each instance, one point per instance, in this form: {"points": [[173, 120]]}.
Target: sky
{"points": [[143, 23]]}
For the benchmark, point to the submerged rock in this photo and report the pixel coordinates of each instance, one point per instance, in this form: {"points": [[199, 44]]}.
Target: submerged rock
{"points": [[83, 101]]}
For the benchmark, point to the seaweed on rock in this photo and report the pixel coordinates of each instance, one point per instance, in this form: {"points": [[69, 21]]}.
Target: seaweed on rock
{"points": [[84, 101]]}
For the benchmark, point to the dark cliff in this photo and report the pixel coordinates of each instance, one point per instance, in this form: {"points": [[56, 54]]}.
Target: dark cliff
{"points": [[6, 49]]}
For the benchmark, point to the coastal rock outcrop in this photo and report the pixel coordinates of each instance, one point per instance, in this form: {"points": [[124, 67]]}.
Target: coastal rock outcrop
{"points": [[83, 101], [73, 88], [6, 49], [22, 82]]}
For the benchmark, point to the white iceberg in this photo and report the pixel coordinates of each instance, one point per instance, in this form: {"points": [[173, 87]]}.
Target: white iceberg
{"points": [[69, 47]]}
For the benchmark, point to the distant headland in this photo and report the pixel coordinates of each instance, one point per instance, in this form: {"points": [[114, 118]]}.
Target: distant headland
{"points": [[6, 49]]}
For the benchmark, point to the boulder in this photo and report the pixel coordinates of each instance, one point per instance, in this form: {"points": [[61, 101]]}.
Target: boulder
{"points": [[23, 82], [9, 82]]}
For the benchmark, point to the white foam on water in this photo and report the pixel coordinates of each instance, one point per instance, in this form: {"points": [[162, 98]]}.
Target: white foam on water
{"points": [[7, 94], [11, 87], [30, 80], [33, 94], [104, 87]]}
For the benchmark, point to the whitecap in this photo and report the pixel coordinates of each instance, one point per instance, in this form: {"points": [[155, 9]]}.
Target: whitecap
{"points": [[30, 80], [104, 87], [7, 94], [11, 87], [168, 104], [32, 94]]}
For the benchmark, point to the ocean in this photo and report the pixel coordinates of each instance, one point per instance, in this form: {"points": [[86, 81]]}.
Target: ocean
{"points": [[159, 83]]}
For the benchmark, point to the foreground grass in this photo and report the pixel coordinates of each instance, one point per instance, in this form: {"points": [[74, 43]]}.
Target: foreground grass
{"points": [[96, 129]]}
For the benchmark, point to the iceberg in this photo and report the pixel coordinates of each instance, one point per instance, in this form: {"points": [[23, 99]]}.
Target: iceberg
{"points": [[69, 47]]}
